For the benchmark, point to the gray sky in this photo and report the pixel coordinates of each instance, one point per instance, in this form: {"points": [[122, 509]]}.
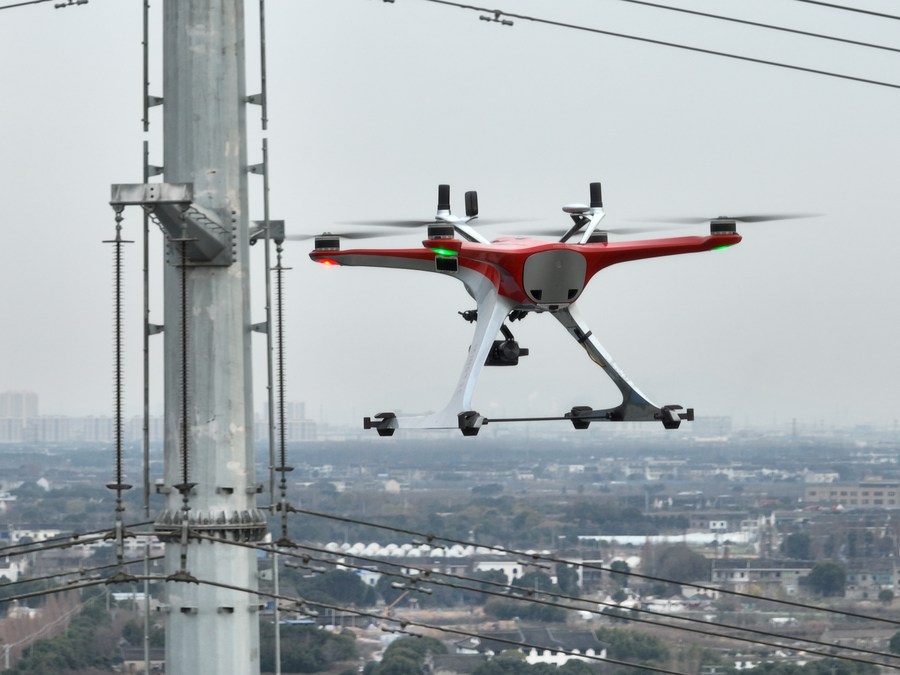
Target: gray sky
{"points": [[373, 104]]}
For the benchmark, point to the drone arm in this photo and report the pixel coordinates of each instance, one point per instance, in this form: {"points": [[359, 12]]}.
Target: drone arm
{"points": [[409, 259], [634, 406]]}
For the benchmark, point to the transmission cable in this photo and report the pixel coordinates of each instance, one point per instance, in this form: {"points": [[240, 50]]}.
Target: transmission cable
{"points": [[512, 592], [663, 43], [59, 589], [851, 9], [81, 571], [758, 24], [404, 623], [59, 5], [549, 558], [64, 541], [427, 574]]}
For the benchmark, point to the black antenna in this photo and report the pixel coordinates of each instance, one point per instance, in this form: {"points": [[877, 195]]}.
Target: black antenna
{"points": [[471, 203], [596, 196], [443, 198]]}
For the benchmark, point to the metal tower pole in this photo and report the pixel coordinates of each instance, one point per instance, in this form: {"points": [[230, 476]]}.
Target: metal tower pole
{"points": [[209, 475]]}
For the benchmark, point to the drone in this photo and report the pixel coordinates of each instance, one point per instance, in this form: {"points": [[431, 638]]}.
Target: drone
{"points": [[511, 277]]}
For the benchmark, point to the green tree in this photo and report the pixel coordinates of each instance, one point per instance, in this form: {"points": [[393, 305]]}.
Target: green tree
{"points": [[567, 579], [679, 563], [631, 645], [894, 644], [406, 656], [84, 645], [827, 578], [797, 545], [617, 571], [305, 649], [338, 587]]}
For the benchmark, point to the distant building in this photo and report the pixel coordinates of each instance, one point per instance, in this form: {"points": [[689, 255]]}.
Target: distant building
{"points": [[20, 405], [17, 409], [297, 428], [742, 574], [867, 494], [866, 579]]}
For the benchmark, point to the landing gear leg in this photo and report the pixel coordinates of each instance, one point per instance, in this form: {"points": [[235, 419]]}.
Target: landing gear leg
{"points": [[635, 407]]}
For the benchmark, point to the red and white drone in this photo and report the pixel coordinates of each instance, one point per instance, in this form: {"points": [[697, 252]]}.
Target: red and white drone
{"points": [[510, 277]]}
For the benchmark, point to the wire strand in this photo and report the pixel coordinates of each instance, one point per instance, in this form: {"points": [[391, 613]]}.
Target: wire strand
{"points": [[426, 575], [673, 45], [758, 24], [851, 9], [552, 559]]}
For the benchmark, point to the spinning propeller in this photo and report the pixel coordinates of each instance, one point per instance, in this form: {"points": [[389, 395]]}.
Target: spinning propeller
{"points": [[755, 218]]}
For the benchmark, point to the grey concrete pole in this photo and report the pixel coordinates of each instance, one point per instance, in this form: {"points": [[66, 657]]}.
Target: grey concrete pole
{"points": [[208, 401]]}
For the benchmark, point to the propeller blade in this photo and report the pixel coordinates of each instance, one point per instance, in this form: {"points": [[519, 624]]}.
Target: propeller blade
{"points": [[558, 232], [753, 218], [775, 216], [426, 223], [343, 235], [390, 223]]}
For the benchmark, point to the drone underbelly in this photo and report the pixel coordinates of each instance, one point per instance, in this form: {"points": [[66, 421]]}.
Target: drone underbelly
{"points": [[554, 277]]}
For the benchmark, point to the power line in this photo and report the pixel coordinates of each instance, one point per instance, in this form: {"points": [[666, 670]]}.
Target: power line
{"points": [[65, 541], [549, 558], [60, 3], [300, 602], [763, 25], [426, 576], [58, 589], [506, 588], [851, 9], [23, 4], [404, 623], [663, 43], [80, 571]]}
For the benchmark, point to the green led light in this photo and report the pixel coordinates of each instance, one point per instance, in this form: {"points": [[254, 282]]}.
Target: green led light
{"points": [[722, 248], [444, 251]]}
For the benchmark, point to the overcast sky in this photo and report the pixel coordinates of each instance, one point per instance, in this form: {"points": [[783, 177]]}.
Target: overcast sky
{"points": [[373, 104]]}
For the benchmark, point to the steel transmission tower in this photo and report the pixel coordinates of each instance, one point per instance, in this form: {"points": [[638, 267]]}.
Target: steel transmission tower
{"points": [[209, 475]]}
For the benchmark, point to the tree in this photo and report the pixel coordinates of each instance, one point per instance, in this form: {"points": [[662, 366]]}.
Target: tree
{"points": [[617, 571], [630, 645], [305, 649], [567, 579], [827, 578], [797, 545], [894, 644], [406, 656], [338, 587], [679, 563]]}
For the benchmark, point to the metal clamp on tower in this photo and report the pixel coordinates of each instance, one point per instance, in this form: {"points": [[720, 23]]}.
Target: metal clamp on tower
{"points": [[208, 241]]}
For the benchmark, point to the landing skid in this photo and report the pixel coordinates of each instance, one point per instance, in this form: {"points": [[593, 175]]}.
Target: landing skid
{"points": [[470, 421], [492, 311]]}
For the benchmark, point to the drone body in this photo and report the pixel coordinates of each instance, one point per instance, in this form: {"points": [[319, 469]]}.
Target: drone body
{"points": [[511, 277]]}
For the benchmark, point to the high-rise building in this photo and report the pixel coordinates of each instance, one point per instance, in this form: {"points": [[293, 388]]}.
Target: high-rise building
{"points": [[20, 405]]}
